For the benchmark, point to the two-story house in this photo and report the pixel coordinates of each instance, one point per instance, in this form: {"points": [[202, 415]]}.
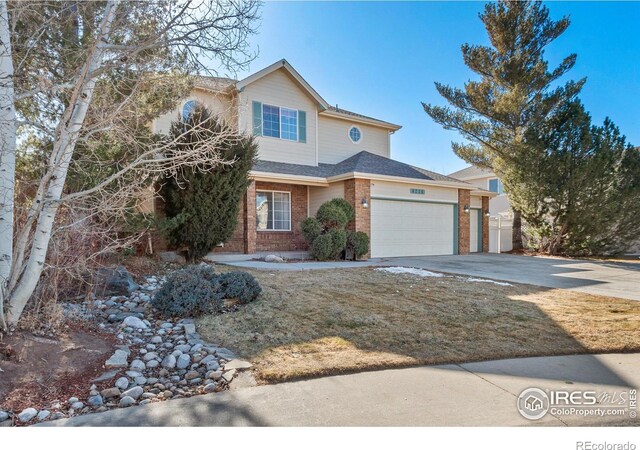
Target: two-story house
{"points": [[311, 152]]}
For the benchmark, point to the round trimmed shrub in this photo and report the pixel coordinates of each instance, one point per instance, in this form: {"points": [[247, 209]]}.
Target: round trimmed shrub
{"points": [[339, 241], [239, 285], [357, 243], [189, 292], [322, 247], [345, 206], [332, 216], [311, 228]]}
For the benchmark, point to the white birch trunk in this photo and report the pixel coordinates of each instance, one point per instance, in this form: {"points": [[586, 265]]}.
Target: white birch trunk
{"points": [[64, 146], [7, 155]]}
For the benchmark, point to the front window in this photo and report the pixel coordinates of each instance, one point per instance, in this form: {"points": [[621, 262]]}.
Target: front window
{"points": [[273, 211], [495, 185], [280, 122]]}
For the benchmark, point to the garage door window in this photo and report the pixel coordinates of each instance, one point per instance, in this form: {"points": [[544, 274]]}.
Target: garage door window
{"points": [[273, 211]]}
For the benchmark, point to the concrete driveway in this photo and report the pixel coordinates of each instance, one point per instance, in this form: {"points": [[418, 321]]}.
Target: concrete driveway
{"points": [[613, 279]]}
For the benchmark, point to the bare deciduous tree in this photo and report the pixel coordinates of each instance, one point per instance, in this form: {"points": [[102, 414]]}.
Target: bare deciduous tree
{"points": [[85, 75]]}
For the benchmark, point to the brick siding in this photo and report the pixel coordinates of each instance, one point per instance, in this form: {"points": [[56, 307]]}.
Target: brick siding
{"points": [[464, 222]]}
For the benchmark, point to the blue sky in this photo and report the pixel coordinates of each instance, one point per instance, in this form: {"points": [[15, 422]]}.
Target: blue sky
{"points": [[382, 58]]}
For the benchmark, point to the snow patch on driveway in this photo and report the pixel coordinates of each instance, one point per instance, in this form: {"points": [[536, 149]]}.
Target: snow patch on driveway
{"points": [[483, 280], [411, 271]]}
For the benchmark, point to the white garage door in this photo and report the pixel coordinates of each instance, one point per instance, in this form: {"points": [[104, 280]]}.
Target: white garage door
{"points": [[410, 228]]}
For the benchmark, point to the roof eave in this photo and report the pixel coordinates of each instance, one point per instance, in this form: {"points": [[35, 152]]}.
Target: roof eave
{"points": [[292, 179], [373, 176]]}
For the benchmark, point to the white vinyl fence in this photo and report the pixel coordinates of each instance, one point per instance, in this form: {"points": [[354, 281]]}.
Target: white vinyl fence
{"points": [[500, 231]]}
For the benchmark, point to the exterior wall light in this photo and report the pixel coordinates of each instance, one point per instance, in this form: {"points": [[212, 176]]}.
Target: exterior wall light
{"points": [[467, 209], [487, 213], [364, 203]]}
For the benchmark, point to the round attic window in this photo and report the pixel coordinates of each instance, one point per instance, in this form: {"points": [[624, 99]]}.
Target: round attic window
{"points": [[355, 134]]}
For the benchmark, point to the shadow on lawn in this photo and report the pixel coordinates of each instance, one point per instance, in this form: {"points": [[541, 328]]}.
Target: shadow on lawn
{"points": [[340, 321]]}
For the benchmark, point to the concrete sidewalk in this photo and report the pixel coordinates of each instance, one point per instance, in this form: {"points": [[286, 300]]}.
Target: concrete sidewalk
{"points": [[473, 394]]}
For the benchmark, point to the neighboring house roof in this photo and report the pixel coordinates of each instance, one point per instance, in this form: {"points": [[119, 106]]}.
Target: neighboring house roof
{"points": [[225, 84], [471, 172], [363, 163], [214, 83]]}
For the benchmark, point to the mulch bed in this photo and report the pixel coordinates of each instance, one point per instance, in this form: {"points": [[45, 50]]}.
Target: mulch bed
{"points": [[39, 371]]}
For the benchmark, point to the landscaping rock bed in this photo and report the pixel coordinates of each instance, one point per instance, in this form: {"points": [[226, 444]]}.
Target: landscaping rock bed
{"points": [[155, 360]]}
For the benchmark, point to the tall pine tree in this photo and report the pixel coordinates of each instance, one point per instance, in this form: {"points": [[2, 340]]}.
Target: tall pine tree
{"points": [[204, 202], [513, 94]]}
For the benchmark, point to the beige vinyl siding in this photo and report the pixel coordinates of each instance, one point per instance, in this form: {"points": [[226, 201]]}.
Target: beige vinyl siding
{"points": [[389, 189], [319, 195], [334, 144], [220, 104], [278, 89], [476, 202]]}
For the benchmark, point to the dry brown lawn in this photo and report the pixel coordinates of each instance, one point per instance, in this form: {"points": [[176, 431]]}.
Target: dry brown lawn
{"points": [[326, 322]]}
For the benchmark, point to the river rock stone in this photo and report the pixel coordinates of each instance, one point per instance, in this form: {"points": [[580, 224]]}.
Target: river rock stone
{"points": [[110, 392], [27, 414], [122, 383], [137, 364], [113, 281], [95, 400], [134, 322], [183, 361], [134, 393], [273, 259], [169, 362], [126, 401], [117, 361], [237, 364]]}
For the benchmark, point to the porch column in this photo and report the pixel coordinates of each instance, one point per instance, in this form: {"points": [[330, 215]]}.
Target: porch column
{"points": [[485, 225], [250, 232], [355, 190], [464, 221]]}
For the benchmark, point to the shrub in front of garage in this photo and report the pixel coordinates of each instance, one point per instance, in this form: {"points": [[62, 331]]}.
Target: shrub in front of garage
{"points": [[327, 235]]}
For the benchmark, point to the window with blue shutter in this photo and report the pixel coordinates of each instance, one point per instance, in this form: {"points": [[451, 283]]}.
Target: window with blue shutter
{"points": [[257, 119], [302, 126]]}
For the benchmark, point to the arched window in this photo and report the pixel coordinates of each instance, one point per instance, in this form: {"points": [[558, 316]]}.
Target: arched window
{"points": [[188, 108]]}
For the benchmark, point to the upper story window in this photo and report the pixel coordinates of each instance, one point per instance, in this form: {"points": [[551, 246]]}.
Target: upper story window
{"points": [[279, 122], [188, 108], [355, 134], [495, 185]]}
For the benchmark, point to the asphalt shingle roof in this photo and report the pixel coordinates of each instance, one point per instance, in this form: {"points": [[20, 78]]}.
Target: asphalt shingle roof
{"points": [[363, 162]]}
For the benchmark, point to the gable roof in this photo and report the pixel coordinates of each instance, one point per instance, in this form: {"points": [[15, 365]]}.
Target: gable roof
{"points": [[471, 172], [363, 163], [284, 64], [225, 84]]}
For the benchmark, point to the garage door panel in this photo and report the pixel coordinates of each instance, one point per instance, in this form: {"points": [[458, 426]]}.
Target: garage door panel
{"points": [[410, 228]]}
